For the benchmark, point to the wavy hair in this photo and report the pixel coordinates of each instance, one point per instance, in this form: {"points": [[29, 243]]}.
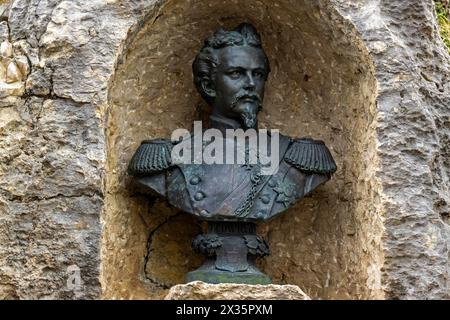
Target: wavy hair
{"points": [[205, 63]]}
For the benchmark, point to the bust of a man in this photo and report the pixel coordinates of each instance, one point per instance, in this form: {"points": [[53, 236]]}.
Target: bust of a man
{"points": [[230, 73]]}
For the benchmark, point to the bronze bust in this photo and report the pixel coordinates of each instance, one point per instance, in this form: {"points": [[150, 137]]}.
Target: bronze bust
{"points": [[230, 73]]}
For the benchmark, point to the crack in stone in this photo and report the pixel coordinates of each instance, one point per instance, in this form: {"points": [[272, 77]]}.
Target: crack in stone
{"points": [[149, 251], [25, 199]]}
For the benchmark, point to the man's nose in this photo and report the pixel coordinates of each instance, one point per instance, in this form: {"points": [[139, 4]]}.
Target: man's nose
{"points": [[250, 81]]}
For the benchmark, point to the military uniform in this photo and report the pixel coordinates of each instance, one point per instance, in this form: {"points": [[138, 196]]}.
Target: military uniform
{"points": [[232, 197], [233, 192]]}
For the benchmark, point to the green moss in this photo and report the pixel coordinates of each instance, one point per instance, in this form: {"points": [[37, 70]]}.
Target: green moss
{"points": [[443, 15]]}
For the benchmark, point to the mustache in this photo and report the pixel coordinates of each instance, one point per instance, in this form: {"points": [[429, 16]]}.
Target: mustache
{"points": [[246, 95]]}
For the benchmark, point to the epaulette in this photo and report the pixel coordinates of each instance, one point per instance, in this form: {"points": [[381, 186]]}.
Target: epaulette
{"points": [[311, 156], [151, 157]]}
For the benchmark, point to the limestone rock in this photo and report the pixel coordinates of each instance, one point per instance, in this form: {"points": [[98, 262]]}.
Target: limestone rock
{"points": [[22, 64], [2, 72], [50, 198], [4, 31], [11, 89], [23, 48], [198, 290], [10, 101], [6, 49], [28, 19], [4, 9], [38, 82], [13, 73], [413, 134]]}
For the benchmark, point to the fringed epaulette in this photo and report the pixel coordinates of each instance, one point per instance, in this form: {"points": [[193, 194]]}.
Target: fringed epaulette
{"points": [[151, 157], [311, 156]]}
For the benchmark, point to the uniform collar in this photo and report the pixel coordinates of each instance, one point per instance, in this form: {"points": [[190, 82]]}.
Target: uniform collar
{"points": [[222, 123]]}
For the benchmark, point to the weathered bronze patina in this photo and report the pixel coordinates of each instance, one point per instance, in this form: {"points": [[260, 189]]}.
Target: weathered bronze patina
{"points": [[230, 73]]}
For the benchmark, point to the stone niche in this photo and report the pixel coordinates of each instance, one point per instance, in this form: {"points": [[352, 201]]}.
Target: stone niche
{"points": [[322, 85]]}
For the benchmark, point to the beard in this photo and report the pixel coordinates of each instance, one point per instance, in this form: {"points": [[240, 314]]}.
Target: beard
{"points": [[247, 111], [249, 118]]}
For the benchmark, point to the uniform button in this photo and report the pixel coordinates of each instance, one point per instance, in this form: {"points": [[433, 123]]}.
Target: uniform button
{"points": [[199, 196], [194, 180], [272, 183], [265, 199], [260, 214]]}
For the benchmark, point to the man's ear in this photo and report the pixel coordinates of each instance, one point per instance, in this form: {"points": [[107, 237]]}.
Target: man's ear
{"points": [[208, 88]]}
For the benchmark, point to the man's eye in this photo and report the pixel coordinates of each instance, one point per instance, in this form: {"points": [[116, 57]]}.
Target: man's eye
{"points": [[235, 74], [259, 74]]}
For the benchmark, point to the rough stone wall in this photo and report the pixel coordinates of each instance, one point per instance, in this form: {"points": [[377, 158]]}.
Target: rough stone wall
{"points": [[412, 69], [52, 145], [378, 230], [197, 290]]}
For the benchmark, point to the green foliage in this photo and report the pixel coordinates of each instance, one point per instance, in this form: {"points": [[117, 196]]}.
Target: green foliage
{"points": [[443, 15]]}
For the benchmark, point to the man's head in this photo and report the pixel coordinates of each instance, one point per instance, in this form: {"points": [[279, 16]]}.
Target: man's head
{"points": [[230, 73]]}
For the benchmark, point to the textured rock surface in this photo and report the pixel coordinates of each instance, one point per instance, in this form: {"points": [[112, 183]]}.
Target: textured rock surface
{"points": [[14, 69], [198, 290], [81, 83], [413, 132], [52, 156]]}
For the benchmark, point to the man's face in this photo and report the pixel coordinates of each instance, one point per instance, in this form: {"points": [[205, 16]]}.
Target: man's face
{"points": [[239, 84]]}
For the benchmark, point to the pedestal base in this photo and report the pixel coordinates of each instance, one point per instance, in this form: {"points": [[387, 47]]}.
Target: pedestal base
{"points": [[198, 290], [231, 249], [208, 273]]}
